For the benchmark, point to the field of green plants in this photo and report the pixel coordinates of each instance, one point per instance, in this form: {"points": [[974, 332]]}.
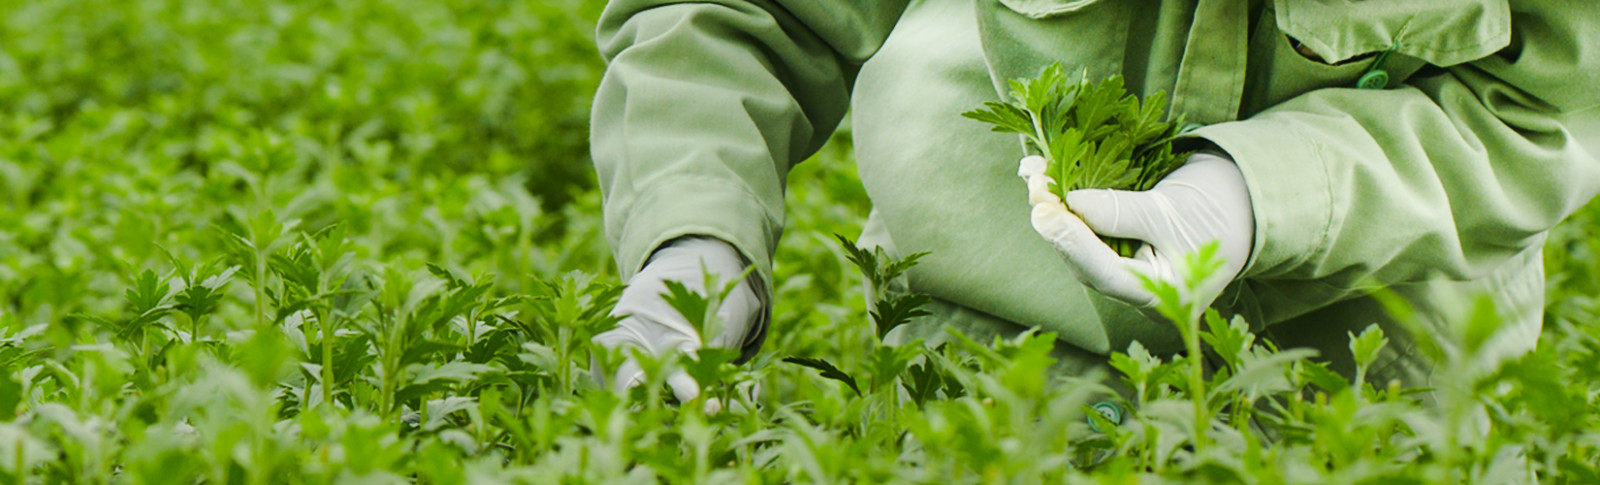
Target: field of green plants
{"points": [[251, 242]]}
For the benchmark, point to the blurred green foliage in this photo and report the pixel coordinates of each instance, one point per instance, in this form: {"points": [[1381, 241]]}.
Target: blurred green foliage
{"points": [[125, 126], [335, 242], [495, 87]]}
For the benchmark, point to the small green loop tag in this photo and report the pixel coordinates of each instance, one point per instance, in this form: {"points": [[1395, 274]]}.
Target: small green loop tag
{"points": [[1374, 79], [1109, 410]]}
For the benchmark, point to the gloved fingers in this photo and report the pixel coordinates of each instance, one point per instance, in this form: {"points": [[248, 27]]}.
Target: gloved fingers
{"points": [[1031, 166], [1216, 206], [1146, 216], [751, 390], [1031, 169], [1169, 268], [1146, 253], [651, 320], [628, 375], [1039, 191], [745, 392], [739, 313], [652, 335], [683, 386], [688, 261], [622, 335], [1095, 263], [1124, 283]]}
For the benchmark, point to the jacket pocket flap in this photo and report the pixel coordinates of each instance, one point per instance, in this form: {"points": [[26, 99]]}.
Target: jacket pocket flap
{"points": [[1441, 33]]}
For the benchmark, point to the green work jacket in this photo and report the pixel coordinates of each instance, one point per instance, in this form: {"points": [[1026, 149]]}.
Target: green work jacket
{"points": [[1438, 177]]}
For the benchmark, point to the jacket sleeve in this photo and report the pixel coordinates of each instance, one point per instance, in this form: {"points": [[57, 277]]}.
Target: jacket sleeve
{"points": [[706, 105], [1447, 176]]}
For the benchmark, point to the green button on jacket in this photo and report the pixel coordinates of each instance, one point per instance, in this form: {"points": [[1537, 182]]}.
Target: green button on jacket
{"points": [[1439, 185]]}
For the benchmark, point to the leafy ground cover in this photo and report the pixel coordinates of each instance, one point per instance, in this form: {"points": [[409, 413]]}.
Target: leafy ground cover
{"points": [[270, 242]]}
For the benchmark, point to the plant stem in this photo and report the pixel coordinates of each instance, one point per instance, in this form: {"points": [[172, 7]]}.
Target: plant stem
{"points": [[326, 322], [472, 331], [144, 349], [261, 286], [563, 350], [1360, 384], [1040, 142], [895, 403], [390, 360], [1197, 391], [194, 334]]}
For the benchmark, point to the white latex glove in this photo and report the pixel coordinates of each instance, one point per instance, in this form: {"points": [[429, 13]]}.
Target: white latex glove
{"points": [[654, 326], [1204, 200]]}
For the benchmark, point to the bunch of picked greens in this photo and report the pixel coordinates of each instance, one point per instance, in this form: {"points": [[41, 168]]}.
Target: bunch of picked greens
{"points": [[1092, 136]]}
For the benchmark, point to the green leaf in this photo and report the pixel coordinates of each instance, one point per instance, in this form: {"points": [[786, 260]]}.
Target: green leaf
{"points": [[200, 298], [450, 277], [888, 362], [297, 267], [149, 291], [1317, 373], [1365, 347], [355, 292], [1544, 387], [922, 382], [10, 395], [541, 356], [1028, 361], [440, 409], [864, 260], [827, 369], [450, 371], [1138, 366], [350, 357], [422, 350], [899, 310], [710, 365], [1228, 339], [1259, 376], [430, 379], [1578, 471], [691, 305], [1480, 325], [893, 268], [1005, 118]]}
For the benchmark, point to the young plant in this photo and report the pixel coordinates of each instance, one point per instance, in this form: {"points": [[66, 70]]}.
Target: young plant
{"points": [[1092, 136], [881, 270], [888, 365], [709, 365], [202, 291], [1173, 305]]}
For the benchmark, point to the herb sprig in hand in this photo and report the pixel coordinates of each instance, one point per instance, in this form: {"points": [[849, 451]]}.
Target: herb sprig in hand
{"points": [[1092, 136]]}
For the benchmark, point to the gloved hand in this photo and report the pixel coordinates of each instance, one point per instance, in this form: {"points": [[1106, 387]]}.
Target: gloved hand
{"points": [[654, 326], [1204, 200]]}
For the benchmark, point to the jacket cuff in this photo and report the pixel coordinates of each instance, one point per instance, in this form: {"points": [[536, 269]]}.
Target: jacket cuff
{"points": [[679, 206], [1290, 195], [690, 205]]}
